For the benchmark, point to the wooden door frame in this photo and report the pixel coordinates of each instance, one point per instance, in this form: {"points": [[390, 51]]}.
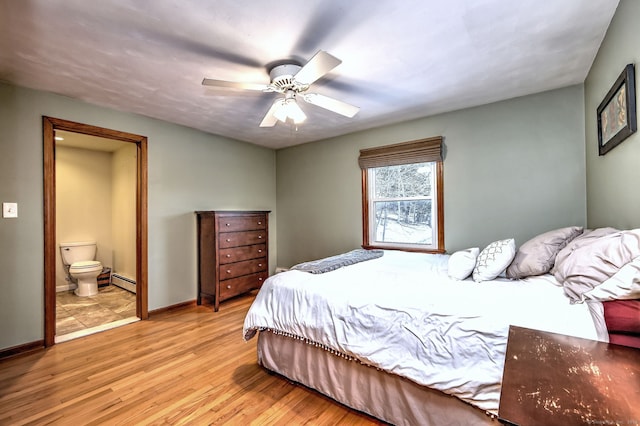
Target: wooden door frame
{"points": [[49, 126]]}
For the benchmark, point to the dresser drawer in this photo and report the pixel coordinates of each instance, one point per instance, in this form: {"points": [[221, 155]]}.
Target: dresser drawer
{"points": [[235, 286], [236, 239], [233, 270], [241, 223], [238, 254]]}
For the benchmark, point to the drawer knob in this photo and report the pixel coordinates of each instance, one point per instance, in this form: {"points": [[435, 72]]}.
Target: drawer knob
{"points": [[228, 255], [259, 237], [259, 250], [228, 271], [259, 223], [227, 224], [228, 240], [259, 264], [228, 286], [260, 279]]}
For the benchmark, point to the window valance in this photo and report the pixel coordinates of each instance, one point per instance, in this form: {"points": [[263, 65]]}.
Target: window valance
{"points": [[419, 151]]}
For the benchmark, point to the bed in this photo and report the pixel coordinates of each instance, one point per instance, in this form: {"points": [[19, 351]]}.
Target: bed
{"points": [[405, 339]]}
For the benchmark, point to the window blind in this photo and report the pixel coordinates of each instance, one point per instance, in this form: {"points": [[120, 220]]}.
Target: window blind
{"points": [[419, 151]]}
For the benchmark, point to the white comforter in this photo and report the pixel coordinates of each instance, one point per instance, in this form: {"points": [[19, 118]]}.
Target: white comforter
{"points": [[403, 314]]}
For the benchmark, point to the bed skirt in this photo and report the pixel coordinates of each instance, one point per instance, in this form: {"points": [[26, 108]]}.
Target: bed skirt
{"points": [[387, 397]]}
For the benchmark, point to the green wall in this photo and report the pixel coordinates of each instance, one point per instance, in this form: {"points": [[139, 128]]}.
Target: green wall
{"points": [[512, 169], [613, 179], [188, 170]]}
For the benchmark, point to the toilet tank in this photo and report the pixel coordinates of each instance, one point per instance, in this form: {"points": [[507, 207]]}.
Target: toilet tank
{"points": [[77, 251]]}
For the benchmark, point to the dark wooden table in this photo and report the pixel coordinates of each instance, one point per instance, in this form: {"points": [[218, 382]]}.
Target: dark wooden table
{"points": [[552, 379]]}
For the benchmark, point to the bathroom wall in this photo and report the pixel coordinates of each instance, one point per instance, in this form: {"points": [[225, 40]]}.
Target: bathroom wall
{"points": [[123, 207], [83, 202]]}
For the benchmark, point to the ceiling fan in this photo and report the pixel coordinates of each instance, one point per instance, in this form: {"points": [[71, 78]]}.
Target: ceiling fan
{"points": [[293, 81]]}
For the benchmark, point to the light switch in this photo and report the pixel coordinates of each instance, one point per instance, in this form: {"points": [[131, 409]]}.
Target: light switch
{"points": [[9, 210]]}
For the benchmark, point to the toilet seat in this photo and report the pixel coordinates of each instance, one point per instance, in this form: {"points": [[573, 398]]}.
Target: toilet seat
{"points": [[86, 265]]}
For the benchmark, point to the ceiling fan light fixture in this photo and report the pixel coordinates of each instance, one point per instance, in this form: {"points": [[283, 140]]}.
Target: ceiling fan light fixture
{"points": [[281, 111], [289, 108], [294, 111]]}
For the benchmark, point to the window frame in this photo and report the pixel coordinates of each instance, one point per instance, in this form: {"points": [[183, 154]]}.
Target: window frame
{"points": [[420, 151]]}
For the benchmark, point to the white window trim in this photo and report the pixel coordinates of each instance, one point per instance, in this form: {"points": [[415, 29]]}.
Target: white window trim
{"points": [[372, 219]]}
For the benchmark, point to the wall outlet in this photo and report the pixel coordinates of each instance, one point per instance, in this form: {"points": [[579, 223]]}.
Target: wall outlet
{"points": [[9, 210]]}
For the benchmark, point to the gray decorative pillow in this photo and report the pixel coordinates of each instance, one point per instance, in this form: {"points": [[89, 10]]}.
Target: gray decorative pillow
{"points": [[461, 263], [583, 239], [623, 285], [602, 268], [537, 256], [494, 259]]}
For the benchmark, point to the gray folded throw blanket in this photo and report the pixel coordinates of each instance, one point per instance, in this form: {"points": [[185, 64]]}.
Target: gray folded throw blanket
{"points": [[332, 263]]}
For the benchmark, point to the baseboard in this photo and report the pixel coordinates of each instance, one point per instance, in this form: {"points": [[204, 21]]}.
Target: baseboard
{"points": [[123, 282], [22, 349], [66, 287], [182, 305]]}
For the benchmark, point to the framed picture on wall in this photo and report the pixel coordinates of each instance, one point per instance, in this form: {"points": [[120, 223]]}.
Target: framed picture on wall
{"points": [[617, 112]]}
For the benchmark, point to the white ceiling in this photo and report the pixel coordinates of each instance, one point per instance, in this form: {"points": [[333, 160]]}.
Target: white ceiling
{"points": [[402, 59]]}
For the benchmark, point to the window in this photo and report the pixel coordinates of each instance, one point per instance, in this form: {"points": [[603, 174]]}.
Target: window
{"points": [[402, 196]]}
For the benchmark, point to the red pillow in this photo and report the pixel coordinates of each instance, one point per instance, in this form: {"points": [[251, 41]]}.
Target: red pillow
{"points": [[622, 316]]}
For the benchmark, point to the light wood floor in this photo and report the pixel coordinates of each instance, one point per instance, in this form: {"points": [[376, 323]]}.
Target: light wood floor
{"points": [[188, 366]]}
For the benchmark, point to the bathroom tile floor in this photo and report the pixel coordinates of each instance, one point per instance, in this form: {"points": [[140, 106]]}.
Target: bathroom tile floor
{"points": [[75, 313]]}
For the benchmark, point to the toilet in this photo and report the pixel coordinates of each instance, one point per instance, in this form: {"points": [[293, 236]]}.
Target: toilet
{"points": [[79, 260]]}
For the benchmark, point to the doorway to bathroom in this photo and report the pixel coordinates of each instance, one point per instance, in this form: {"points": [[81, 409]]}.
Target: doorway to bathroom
{"points": [[95, 183]]}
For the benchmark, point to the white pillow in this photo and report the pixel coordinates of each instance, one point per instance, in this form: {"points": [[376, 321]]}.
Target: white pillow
{"points": [[461, 263], [494, 259]]}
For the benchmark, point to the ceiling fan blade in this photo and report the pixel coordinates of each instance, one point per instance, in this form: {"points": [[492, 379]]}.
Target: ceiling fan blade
{"points": [[270, 118], [315, 32], [236, 85], [321, 63], [331, 104]]}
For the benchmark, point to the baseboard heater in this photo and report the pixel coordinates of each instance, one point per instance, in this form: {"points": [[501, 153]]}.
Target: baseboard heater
{"points": [[123, 282]]}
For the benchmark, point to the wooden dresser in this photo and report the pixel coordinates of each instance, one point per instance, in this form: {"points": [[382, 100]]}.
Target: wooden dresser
{"points": [[233, 253]]}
